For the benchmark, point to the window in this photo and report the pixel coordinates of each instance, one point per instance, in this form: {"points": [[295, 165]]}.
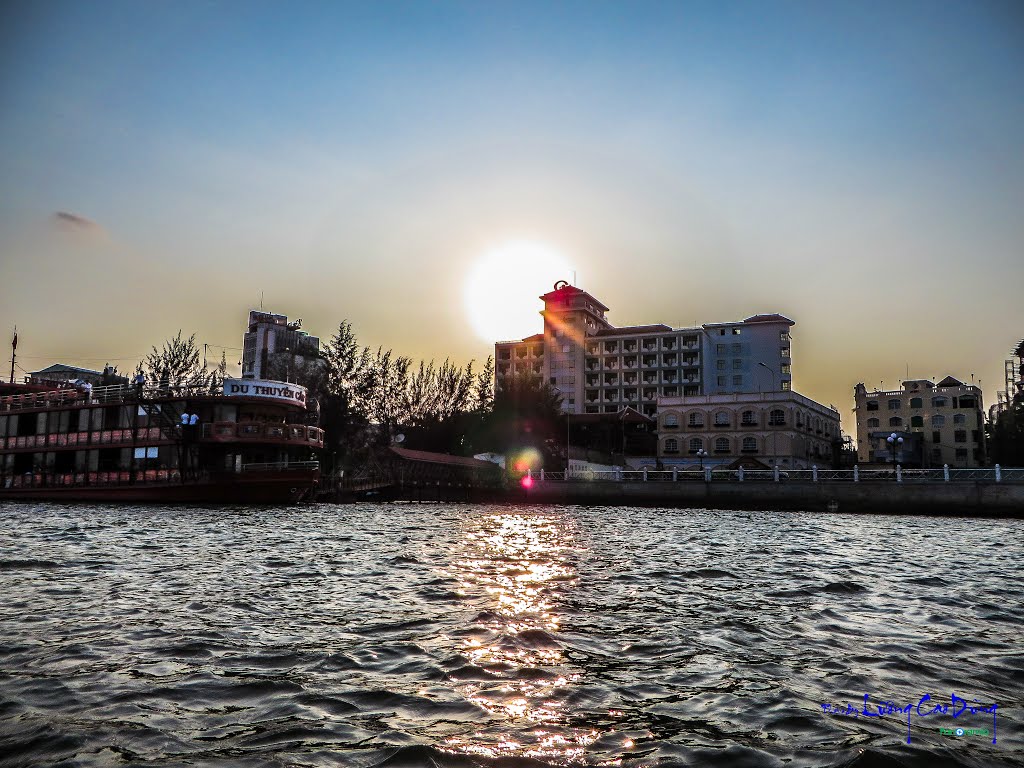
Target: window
{"points": [[895, 421], [671, 445], [938, 420], [936, 454], [959, 418], [696, 444], [736, 348], [737, 331], [737, 365], [895, 405], [749, 445], [722, 380], [917, 421], [785, 369], [939, 402], [872, 405], [695, 420], [553, 381], [784, 351], [777, 417], [786, 385], [960, 436], [720, 365], [722, 445], [748, 418], [936, 437], [872, 423], [671, 421], [916, 402], [967, 402], [737, 381], [720, 348], [784, 336], [722, 419], [961, 454]]}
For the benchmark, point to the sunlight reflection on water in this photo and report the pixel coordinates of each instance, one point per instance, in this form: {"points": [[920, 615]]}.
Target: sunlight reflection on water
{"points": [[522, 562]]}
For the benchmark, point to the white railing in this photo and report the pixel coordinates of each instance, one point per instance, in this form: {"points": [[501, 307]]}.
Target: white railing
{"points": [[813, 475]]}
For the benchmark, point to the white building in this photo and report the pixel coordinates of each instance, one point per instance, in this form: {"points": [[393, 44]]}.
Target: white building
{"points": [[271, 338], [599, 368]]}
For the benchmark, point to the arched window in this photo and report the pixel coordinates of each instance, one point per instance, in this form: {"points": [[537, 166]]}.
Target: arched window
{"points": [[895, 421], [916, 402], [916, 421], [938, 420], [696, 444], [749, 445], [722, 445], [749, 418], [671, 421], [777, 417], [722, 419], [872, 422], [695, 419], [671, 445]]}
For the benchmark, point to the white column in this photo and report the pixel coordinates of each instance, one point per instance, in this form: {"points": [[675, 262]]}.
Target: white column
{"points": [[645, 474], [999, 474], [775, 471], [542, 474], [945, 472], [899, 473], [814, 473], [675, 474], [856, 473], [740, 474]]}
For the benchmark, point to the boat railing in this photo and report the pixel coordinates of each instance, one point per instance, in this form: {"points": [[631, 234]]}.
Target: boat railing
{"points": [[108, 395], [995, 474], [93, 478], [282, 466], [259, 430]]}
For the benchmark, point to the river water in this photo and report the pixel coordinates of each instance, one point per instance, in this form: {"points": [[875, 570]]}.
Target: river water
{"points": [[465, 635]]}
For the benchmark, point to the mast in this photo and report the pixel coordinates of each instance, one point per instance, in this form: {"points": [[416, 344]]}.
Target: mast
{"points": [[14, 352]]}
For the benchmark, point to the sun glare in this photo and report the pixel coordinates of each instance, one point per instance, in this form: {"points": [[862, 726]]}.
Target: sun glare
{"points": [[501, 289]]}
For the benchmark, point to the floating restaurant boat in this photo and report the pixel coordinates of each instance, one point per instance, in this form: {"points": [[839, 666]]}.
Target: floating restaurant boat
{"points": [[247, 442]]}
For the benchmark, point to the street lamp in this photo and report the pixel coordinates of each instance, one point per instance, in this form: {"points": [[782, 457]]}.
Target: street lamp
{"points": [[772, 372], [701, 454], [775, 450], [894, 441]]}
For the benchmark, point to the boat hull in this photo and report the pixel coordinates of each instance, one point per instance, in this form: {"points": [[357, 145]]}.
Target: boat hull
{"points": [[275, 488]]}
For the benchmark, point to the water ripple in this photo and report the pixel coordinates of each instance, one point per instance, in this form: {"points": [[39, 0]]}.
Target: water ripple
{"points": [[464, 635]]}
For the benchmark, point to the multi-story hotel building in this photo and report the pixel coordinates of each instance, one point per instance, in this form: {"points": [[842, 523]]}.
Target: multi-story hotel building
{"points": [[599, 368], [782, 429], [939, 423]]}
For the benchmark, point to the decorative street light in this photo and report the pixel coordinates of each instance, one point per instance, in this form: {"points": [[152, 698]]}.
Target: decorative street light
{"points": [[702, 454], [895, 442], [772, 372]]}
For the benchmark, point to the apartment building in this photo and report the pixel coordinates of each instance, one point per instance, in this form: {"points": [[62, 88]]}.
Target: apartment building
{"points": [[600, 368], [269, 335], [767, 429], [940, 424]]}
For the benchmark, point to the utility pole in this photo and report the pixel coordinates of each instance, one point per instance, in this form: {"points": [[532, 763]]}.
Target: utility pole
{"points": [[14, 352]]}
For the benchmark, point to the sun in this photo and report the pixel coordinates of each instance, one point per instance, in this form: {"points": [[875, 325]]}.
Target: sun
{"points": [[502, 289]]}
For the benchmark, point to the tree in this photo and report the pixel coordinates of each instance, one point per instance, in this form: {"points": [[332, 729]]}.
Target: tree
{"points": [[527, 413], [1006, 435], [176, 364]]}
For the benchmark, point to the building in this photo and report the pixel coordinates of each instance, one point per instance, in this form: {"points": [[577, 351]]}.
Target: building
{"points": [[599, 368], [940, 424], [59, 372], [273, 343], [1013, 382], [752, 429]]}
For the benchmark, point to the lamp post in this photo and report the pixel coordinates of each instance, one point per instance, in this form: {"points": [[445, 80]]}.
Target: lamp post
{"points": [[701, 455], [772, 372], [894, 441]]}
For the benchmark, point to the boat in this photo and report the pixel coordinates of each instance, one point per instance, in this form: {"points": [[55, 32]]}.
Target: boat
{"points": [[245, 441]]}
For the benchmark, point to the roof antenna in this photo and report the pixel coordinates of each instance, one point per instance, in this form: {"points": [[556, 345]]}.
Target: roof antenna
{"points": [[261, 301]]}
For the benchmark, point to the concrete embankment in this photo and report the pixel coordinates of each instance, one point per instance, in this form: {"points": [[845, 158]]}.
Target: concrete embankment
{"points": [[960, 498]]}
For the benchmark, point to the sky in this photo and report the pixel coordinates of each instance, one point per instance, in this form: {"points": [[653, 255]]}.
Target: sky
{"points": [[855, 166]]}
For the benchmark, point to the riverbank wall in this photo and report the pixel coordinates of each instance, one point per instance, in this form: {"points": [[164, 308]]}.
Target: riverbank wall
{"points": [[982, 498]]}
